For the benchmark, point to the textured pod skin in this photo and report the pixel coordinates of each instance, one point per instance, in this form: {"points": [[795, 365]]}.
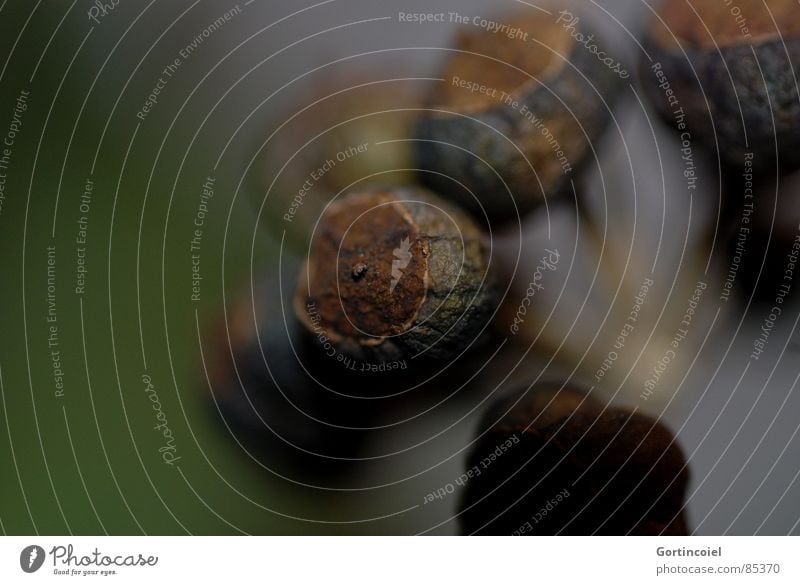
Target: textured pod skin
{"points": [[566, 97], [572, 469], [739, 93], [393, 274]]}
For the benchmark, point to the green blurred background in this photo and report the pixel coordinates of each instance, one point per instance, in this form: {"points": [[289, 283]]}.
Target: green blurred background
{"points": [[88, 461]]}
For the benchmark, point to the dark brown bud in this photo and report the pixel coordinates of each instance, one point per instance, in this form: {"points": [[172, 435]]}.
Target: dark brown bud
{"points": [[555, 461], [515, 114], [396, 274], [726, 75]]}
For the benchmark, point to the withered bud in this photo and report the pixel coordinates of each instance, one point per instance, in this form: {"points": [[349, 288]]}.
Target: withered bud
{"points": [[573, 466], [396, 273], [515, 114], [726, 77]]}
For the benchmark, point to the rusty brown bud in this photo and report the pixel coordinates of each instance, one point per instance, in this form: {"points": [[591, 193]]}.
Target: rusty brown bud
{"points": [[394, 274]]}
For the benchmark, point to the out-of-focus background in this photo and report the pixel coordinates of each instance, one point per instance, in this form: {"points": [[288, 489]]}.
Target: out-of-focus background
{"points": [[131, 231]]}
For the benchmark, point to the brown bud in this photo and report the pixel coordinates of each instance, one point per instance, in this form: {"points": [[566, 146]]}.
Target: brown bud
{"points": [[553, 460], [515, 115], [396, 274], [725, 75]]}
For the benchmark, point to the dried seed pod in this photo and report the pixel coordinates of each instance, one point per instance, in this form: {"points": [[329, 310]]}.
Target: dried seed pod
{"points": [[552, 460], [310, 415], [528, 104], [728, 78], [395, 274]]}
